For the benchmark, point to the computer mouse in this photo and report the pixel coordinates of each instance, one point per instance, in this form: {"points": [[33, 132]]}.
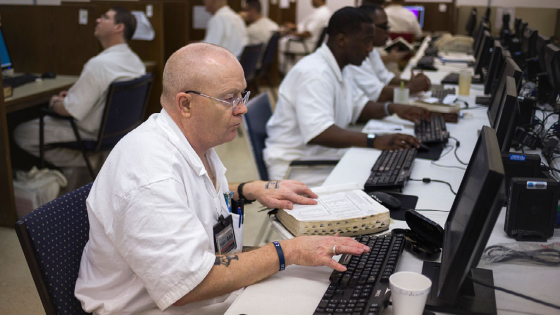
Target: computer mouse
{"points": [[386, 200], [423, 148], [48, 75]]}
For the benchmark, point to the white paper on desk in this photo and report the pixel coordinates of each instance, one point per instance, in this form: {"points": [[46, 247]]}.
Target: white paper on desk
{"points": [[144, 29], [337, 202], [200, 17], [381, 127]]}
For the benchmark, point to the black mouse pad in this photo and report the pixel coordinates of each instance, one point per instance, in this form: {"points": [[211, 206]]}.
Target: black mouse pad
{"points": [[407, 202], [432, 154]]}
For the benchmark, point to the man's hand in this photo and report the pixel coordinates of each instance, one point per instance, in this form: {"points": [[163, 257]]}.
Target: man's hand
{"points": [[418, 83], [395, 141], [408, 112], [395, 55], [318, 250], [63, 93], [280, 193]]}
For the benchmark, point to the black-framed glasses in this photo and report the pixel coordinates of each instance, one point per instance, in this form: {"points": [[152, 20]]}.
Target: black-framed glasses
{"points": [[384, 26], [235, 103]]}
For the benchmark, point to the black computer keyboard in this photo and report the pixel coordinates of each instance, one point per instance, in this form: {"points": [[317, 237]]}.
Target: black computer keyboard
{"points": [[361, 288], [18, 80], [391, 170], [440, 94], [452, 78], [433, 131], [426, 63]]}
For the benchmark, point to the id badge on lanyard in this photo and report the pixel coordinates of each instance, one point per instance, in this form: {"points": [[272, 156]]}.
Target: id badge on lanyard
{"points": [[224, 235]]}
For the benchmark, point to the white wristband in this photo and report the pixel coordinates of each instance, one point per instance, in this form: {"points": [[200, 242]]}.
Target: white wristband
{"points": [[386, 108]]}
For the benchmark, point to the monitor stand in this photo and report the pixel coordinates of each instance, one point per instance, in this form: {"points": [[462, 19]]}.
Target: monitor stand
{"points": [[473, 299]]}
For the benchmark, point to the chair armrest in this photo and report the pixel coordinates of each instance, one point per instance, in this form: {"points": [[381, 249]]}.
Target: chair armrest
{"points": [[47, 111], [313, 162]]}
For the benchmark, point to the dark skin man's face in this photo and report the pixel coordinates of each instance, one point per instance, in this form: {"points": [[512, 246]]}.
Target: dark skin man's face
{"points": [[360, 44], [381, 28]]}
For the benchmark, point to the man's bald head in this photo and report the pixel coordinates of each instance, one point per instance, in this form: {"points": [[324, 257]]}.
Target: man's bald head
{"points": [[197, 67]]}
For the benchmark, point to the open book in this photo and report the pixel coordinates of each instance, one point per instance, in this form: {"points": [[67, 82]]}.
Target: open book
{"points": [[343, 209], [399, 43]]}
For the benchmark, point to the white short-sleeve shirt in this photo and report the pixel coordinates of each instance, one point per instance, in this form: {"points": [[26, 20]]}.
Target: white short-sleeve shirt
{"points": [[403, 21], [260, 31], [151, 211], [314, 23], [371, 77], [87, 97], [312, 97], [227, 29]]}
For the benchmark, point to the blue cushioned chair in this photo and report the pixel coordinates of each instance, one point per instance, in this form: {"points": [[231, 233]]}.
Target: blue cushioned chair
{"points": [[267, 62], [124, 110], [249, 60], [53, 237]]}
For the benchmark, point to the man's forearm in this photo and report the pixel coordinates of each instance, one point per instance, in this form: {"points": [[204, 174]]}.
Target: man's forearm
{"points": [[386, 94], [336, 137], [372, 110], [395, 81]]}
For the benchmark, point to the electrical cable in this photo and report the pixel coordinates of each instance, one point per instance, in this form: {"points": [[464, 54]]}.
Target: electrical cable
{"points": [[447, 166], [457, 147], [428, 180], [547, 256], [514, 293]]}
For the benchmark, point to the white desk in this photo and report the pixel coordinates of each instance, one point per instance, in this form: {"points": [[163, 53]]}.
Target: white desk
{"points": [[298, 289]]}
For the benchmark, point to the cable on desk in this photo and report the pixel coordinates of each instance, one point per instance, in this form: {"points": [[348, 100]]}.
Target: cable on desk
{"points": [[457, 147], [547, 256], [428, 180], [447, 166], [514, 293]]}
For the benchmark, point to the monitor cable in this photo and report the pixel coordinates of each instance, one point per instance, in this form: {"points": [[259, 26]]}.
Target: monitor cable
{"points": [[447, 166], [514, 293], [457, 147], [428, 180]]}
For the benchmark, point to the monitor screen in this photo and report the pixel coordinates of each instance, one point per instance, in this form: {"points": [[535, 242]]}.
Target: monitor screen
{"points": [[522, 27], [542, 41], [507, 115], [529, 42], [483, 54], [471, 23], [468, 227], [418, 12], [479, 36], [494, 68], [511, 69], [552, 61], [4, 55]]}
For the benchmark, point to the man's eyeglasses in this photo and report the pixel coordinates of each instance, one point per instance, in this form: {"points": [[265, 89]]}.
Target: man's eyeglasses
{"points": [[235, 103], [384, 26]]}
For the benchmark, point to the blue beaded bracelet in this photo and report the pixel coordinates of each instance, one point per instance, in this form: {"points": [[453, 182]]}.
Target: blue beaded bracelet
{"points": [[280, 255]]}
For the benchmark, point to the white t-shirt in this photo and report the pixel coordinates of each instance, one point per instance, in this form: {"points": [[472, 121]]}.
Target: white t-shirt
{"points": [[312, 97], [403, 21], [151, 212], [261, 30], [314, 23], [87, 97], [371, 77], [227, 29]]}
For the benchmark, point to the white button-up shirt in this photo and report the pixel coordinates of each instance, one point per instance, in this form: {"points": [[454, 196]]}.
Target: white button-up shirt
{"points": [[313, 96], [403, 21], [227, 29], [372, 76], [87, 97], [261, 30], [151, 211], [314, 23]]}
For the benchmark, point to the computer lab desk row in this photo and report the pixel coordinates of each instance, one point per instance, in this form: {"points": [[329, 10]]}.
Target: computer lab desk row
{"points": [[298, 289]]}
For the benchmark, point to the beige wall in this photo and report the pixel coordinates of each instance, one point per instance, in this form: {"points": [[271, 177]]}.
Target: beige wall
{"points": [[544, 20]]}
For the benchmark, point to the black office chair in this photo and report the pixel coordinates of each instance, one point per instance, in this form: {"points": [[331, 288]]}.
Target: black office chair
{"points": [[249, 60], [124, 110], [52, 238], [291, 55], [266, 65]]}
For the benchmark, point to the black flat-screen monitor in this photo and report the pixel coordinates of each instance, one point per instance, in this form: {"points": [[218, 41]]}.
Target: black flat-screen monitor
{"points": [[522, 28], [505, 123], [552, 60], [517, 24], [483, 54], [510, 69], [467, 230], [494, 68], [483, 26], [471, 23], [529, 42], [542, 41], [4, 54]]}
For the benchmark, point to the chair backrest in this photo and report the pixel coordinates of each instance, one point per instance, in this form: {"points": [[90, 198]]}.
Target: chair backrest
{"points": [[53, 237], [249, 60], [258, 113], [269, 53], [321, 38], [124, 110]]}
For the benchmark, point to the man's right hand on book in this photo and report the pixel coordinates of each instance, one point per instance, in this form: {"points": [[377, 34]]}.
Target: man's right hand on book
{"points": [[280, 193], [318, 250]]}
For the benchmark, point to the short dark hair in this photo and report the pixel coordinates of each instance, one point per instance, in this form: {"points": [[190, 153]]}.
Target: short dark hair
{"points": [[373, 2], [347, 20], [370, 9], [254, 4], [124, 17]]}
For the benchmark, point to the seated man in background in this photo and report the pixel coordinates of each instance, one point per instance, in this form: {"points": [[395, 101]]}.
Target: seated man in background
{"points": [[225, 28], [372, 77], [309, 30], [85, 101], [156, 208], [259, 27], [316, 102], [401, 20]]}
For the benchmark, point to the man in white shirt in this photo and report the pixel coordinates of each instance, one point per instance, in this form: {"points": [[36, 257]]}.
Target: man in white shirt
{"points": [[308, 30], [316, 102], [260, 28], [372, 77], [85, 101], [157, 206], [225, 28], [401, 20]]}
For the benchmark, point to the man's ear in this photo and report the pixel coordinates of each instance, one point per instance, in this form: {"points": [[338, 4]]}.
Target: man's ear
{"points": [[183, 102], [340, 40], [119, 28]]}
